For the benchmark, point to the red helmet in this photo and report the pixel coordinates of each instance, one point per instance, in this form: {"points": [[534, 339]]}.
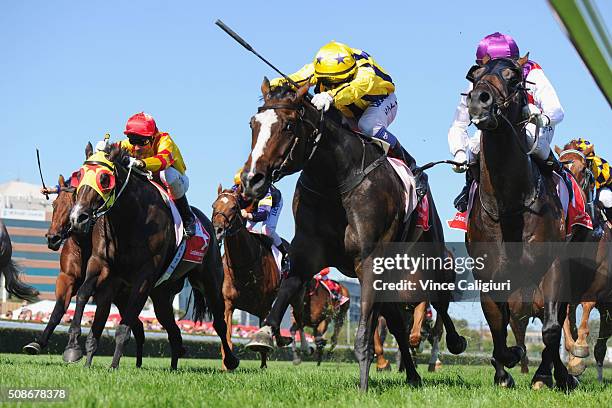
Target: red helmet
{"points": [[141, 124]]}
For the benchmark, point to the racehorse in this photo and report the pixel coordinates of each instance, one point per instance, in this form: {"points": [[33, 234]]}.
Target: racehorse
{"points": [[10, 270], [318, 311], [347, 204], [138, 245], [517, 206], [251, 276], [73, 259]]}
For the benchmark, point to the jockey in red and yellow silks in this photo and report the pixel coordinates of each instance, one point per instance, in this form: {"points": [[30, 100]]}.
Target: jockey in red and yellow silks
{"points": [[156, 152], [351, 81]]}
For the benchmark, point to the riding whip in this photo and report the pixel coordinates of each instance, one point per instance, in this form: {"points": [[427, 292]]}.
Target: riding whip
{"points": [[40, 172], [246, 45]]}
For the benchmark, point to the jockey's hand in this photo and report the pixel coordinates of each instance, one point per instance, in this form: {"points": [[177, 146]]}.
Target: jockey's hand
{"points": [[244, 213], [322, 101], [47, 190], [137, 163], [460, 157], [535, 115]]}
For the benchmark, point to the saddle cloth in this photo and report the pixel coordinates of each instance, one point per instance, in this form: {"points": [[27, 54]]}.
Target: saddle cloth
{"points": [[334, 290], [575, 211], [276, 253], [410, 200]]}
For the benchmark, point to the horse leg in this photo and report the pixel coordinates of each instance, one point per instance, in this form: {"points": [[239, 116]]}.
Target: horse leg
{"points": [[601, 348], [554, 316], [338, 324], [162, 304], [436, 335], [64, 287], [396, 322], [210, 289], [228, 313], [497, 315], [137, 329], [296, 356], [581, 347], [73, 352], [382, 364], [575, 365], [519, 328], [364, 338], [417, 324], [455, 343], [320, 341], [103, 305]]}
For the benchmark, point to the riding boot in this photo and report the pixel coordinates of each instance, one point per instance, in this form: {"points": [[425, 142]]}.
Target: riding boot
{"points": [[462, 201], [285, 263], [397, 151], [189, 222], [553, 164]]}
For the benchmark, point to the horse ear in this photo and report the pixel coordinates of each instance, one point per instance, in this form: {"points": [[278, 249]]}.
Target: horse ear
{"points": [[558, 150], [114, 152], [88, 150], [486, 59], [219, 189], [523, 60], [265, 88], [303, 90], [60, 181]]}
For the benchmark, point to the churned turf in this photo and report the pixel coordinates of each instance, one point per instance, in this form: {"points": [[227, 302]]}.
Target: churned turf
{"points": [[202, 383]]}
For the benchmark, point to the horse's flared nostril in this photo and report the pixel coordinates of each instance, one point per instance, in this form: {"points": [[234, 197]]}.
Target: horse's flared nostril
{"points": [[82, 218], [484, 97], [255, 179]]}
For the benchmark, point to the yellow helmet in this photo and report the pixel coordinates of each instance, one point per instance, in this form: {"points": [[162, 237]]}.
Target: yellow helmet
{"points": [[237, 176], [334, 62]]}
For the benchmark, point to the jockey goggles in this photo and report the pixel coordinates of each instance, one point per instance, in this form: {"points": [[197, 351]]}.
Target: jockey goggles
{"points": [[91, 174]]}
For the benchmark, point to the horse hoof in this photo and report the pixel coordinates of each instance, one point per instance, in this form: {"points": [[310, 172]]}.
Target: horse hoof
{"points": [[505, 381], [580, 351], [231, 362], [541, 381], [415, 341], [414, 382], [384, 367], [283, 341], [518, 354], [72, 355], [456, 344], [32, 349], [576, 366], [297, 361], [570, 384]]}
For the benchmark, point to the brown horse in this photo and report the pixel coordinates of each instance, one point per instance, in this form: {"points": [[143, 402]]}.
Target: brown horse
{"points": [[73, 258], [518, 218], [318, 311], [10, 270], [251, 276], [348, 203], [138, 244]]}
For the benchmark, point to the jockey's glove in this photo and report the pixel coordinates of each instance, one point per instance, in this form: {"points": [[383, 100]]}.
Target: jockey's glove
{"points": [[322, 101], [535, 115], [137, 163], [460, 157]]}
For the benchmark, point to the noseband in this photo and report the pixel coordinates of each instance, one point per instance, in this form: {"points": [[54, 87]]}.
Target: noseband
{"points": [[232, 226], [311, 140]]}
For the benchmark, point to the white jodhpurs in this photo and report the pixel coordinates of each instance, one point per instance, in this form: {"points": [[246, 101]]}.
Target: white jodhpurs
{"points": [[605, 197], [176, 183], [268, 227], [378, 115]]}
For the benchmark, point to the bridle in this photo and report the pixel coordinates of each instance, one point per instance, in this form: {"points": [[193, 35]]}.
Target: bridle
{"points": [[588, 178], [311, 139], [233, 225]]}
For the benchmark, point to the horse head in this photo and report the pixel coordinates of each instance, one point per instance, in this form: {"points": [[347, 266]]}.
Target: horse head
{"points": [[226, 216], [95, 190], [281, 138], [575, 160], [498, 92], [60, 220]]}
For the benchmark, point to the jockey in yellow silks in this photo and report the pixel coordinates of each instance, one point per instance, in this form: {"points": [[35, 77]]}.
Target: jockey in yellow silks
{"points": [[155, 151], [351, 81], [601, 172]]}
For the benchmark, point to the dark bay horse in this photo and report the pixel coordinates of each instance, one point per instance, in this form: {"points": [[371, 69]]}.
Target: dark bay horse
{"points": [[73, 259], [347, 203], [10, 270], [517, 207], [139, 243], [251, 276], [318, 311]]}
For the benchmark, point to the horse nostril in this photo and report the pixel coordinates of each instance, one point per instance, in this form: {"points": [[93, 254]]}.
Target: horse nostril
{"points": [[82, 218], [256, 179], [484, 97]]}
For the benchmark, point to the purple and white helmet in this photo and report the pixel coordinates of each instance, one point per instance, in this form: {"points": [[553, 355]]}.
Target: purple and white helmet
{"points": [[497, 45]]}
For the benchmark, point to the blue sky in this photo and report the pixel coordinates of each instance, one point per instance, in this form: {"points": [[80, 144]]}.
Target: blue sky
{"points": [[72, 71]]}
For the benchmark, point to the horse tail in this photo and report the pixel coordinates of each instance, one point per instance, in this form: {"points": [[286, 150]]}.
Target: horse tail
{"points": [[201, 310], [15, 286]]}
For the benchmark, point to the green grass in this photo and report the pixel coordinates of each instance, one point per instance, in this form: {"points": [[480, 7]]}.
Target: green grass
{"points": [[201, 383]]}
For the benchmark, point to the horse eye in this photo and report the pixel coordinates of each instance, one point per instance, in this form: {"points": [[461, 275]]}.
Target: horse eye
{"points": [[105, 180], [289, 126]]}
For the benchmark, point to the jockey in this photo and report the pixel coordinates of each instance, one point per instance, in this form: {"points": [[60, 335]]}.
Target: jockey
{"points": [[361, 90], [155, 151], [601, 173], [543, 108], [267, 211], [333, 286]]}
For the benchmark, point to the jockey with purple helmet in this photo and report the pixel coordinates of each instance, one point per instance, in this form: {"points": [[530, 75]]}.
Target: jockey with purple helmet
{"points": [[543, 108]]}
